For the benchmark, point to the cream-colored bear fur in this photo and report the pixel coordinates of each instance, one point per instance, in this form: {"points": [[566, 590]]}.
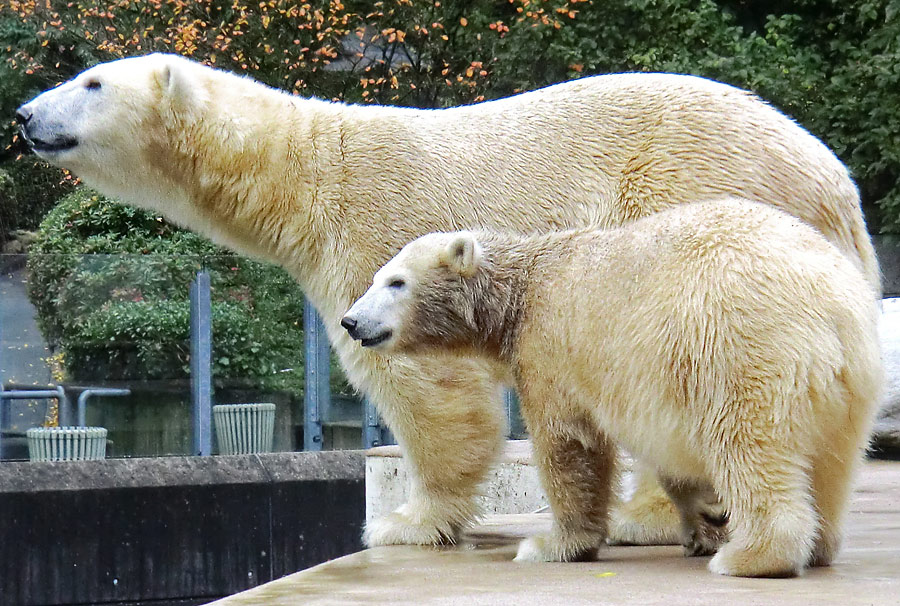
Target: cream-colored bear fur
{"points": [[724, 343], [332, 191]]}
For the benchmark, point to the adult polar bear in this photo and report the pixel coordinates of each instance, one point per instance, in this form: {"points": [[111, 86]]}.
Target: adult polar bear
{"points": [[332, 191]]}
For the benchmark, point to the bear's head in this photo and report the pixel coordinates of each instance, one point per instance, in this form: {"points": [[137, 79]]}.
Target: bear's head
{"points": [[112, 124], [423, 297]]}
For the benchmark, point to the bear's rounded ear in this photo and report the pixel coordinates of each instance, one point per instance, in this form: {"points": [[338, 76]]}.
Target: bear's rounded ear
{"points": [[462, 254], [175, 82]]}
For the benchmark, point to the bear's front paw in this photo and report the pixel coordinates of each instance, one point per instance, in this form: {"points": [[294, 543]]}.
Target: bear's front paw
{"points": [[399, 528], [552, 548], [652, 523], [534, 549]]}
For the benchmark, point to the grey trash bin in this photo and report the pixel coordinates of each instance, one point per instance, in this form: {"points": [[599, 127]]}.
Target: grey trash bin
{"points": [[244, 428], [66, 443]]}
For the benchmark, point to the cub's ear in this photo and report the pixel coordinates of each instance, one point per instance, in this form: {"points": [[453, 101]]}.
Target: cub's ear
{"points": [[462, 254]]}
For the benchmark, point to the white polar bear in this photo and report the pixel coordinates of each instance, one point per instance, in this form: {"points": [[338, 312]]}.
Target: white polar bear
{"points": [[725, 343], [332, 191]]}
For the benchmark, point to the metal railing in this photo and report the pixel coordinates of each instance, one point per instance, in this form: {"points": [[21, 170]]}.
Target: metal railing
{"points": [[6, 396]]}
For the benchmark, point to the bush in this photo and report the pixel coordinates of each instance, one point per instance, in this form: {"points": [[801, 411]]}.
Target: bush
{"points": [[34, 188], [111, 287]]}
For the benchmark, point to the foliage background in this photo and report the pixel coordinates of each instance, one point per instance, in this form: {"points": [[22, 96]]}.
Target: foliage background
{"points": [[111, 286], [832, 65]]}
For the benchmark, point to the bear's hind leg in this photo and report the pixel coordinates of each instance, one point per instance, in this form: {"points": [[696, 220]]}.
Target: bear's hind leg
{"points": [[772, 522], [831, 488], [832, 483], [577, 464], [840, 450]]}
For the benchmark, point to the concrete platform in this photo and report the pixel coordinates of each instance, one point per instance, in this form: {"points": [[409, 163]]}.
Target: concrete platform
{"points": [[481, 570], [511, 486]]}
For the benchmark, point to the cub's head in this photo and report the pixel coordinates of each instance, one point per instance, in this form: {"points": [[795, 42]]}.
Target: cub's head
{"points": [[110, 123], [423, 297]]}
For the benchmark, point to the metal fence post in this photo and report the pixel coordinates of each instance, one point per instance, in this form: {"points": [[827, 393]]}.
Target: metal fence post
{"points": [[201, 364], [515, 427], [64, 407], [317, 367], [373, 433], [4, 412], [88, 393]]}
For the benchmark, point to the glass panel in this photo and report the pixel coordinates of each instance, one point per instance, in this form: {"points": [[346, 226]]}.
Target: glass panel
{"points": [[123, 321], [24, 359]]}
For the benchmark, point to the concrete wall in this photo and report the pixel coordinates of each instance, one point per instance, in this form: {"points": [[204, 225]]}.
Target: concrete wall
{"points": [[179, 530], [512, 485]]}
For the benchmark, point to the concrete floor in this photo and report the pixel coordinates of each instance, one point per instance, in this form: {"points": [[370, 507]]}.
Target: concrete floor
{"points": [[481, 571], [22, 347], [23, 354]]}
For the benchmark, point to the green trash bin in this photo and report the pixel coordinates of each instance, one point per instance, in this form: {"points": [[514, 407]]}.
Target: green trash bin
{"points": [[66, 443], [244, 428]]}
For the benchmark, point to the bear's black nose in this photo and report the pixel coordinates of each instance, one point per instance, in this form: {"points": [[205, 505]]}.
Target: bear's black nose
{"points": [[23, 115], [348, 323]]}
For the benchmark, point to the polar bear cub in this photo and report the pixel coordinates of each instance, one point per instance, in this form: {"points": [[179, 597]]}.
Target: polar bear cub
{"points": [[725, 343]]}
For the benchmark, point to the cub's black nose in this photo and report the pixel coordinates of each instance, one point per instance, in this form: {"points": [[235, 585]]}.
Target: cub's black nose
{"points": [[23, 115], [348, 323]]}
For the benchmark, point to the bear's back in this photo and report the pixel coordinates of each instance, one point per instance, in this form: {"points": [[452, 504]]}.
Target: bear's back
{"points": [[722, 253], [602, 151], [694, 281]]}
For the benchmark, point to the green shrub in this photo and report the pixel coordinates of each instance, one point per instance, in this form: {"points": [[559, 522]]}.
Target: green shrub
{"points": [[111, 286], [29, 187], [37, 187]]}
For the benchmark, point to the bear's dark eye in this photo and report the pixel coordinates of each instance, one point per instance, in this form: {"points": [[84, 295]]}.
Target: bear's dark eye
{"points": [[397, 283], [92, 85]]}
